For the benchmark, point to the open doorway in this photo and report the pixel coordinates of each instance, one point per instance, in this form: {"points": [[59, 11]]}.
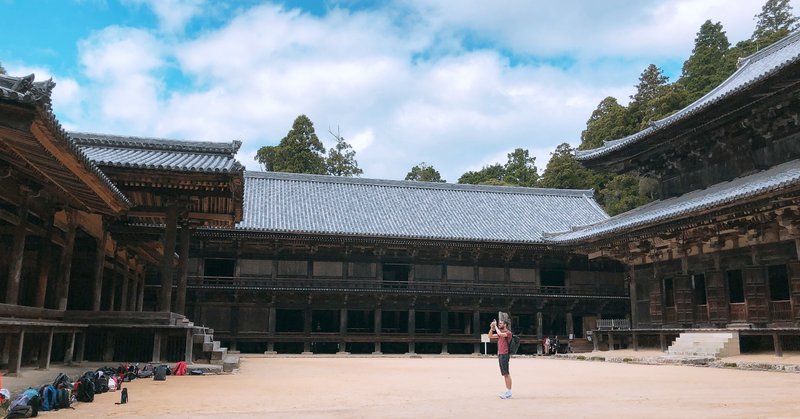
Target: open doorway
{"points": [[219, 267], [396, 272]]}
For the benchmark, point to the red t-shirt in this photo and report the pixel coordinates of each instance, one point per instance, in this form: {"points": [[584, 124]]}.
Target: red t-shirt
{"points": [[502, 343]]}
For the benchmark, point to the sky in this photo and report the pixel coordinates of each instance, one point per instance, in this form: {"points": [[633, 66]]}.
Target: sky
{"points": [[457, 84]]}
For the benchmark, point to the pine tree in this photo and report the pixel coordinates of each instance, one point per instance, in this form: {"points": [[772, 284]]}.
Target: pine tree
{"points": [[2, 69], [341, 159], [608, 122], [424, 172], [488, 175], [521, 168], [300, 151], [564, 172], [775, 21], [705, 68]]}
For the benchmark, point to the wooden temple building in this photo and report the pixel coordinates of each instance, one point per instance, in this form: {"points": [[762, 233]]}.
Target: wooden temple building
{"points": [[122, 248], [720, 249]]}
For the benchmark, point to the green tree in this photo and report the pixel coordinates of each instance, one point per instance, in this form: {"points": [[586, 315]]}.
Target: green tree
{"points": [[521, 168], [2, 69], [620, 194], [564, 172], [300, 151], [424, 172], [608, 122], [488, 175], [341, 159], [706, 68], [654, 99], [775, 21]]}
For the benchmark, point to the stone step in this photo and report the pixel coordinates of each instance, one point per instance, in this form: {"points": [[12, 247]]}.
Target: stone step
{"points": [[230, 363], [705, 344], [218, 356], [211, 346]]}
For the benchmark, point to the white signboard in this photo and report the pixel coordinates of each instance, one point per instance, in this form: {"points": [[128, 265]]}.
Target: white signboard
{"points": [[485, 338]]}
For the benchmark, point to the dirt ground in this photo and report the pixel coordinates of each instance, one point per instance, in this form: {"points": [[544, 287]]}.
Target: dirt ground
{"points": [[438, 387]]}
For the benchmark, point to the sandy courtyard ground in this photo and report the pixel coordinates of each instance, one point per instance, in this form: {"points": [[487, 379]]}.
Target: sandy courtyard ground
{"points": [[454, 387]]}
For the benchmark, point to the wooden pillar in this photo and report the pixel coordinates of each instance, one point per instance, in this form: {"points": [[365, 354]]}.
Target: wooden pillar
{"points": [[18, 249], [115, 271], [476, 331], [165, 296], [662, 340], [635, 341], [157, 338], [123, 298], [65, 265], [570, 325], [633, 295], [794, 287], [46, 350], [140, 290], [81, 350], [134, 285], [444, 322], [188, 356], [378, 325], [307, 316], [108, 350], [776, 342], [69, 352], [15, 353], [540, 332], [271, 325], [99, 269], [342, 330], [412, 329], [183, 269], [45, 258]]}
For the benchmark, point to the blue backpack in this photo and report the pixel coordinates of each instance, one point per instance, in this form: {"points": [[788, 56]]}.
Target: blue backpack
{"points": [[49, 396]]}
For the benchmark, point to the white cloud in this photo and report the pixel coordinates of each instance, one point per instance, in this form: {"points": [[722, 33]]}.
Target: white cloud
{"points": [[173, 15], [398, 81]]}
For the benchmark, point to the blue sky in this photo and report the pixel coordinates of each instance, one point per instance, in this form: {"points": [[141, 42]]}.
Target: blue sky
{"points": [[457, 84]]}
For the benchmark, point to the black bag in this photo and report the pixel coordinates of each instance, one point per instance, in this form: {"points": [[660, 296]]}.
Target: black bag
{"points": [[160, 373], [513, 344], [123, 398], [86, 388], [63, 398], [100, 382], [24, 411]]}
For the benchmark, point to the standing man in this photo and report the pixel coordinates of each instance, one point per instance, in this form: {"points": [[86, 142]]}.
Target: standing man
{"points": [[502, 332]]}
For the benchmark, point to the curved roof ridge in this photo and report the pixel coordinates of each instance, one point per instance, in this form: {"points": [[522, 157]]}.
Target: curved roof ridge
{"points": [[716, 94], [303, 177], [152, 143]]}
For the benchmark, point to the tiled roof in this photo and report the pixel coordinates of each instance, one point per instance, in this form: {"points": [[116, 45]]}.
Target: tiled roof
{"points": [[315, 204], [26, 91], [159, 154], [752, 70], [716, 196]]}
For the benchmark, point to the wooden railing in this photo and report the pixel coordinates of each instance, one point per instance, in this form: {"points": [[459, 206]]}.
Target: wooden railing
{"points": [[701, 313], [403, 287], [781, 310]]}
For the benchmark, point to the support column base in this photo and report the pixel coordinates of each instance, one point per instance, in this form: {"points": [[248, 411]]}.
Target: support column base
{"points": [[270, 353], [306, 353], [377, 353]]}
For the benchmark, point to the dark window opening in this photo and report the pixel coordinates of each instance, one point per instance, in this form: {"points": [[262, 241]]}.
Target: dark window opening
{"points": [[360, 321], [428, 322], [553, 278], [396, 272], [394, 321], [669, 293], [699, 286], [778, 282], [219, 267], [325, 321], [289, 321], [735, 286]]}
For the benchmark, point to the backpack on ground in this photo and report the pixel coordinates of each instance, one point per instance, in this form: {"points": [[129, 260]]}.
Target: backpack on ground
{"points": [[63, 398], [62, 381], [100, 382], [180, 368], [146, 372], [49, 395], [513, 344], [84, 388], [160, 373]]}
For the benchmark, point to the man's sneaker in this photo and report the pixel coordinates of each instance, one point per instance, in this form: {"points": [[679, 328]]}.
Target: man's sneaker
{"points": [[506, 394]]}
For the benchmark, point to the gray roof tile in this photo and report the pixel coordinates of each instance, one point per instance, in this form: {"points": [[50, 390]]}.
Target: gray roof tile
{"points": [[158, 153], [296, 203], [716, 196], [752, 70]]}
